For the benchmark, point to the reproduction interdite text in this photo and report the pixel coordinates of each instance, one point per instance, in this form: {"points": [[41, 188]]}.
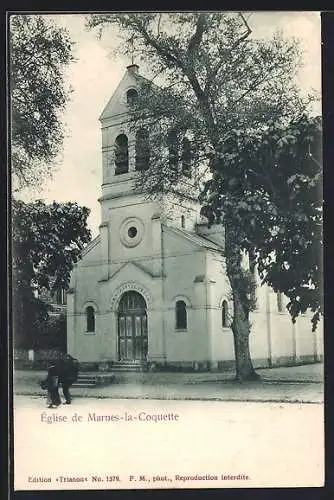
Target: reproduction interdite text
{"points": [[94, 478]]}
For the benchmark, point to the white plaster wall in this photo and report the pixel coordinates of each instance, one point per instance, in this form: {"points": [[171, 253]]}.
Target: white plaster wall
{"points": [[222, 345], [182, 264], [306, 340], [148, 248], [222, 342], [85, 346], [282, 336], [173, 207], [258, 339]]}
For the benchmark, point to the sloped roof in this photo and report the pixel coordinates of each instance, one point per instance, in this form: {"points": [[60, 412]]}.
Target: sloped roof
{"points": [[195, 238], [114, 106], [91, 245]]}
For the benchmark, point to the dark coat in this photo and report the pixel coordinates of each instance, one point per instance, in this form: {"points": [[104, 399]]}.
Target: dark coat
{"points": [[52, 378], [68, 371]]}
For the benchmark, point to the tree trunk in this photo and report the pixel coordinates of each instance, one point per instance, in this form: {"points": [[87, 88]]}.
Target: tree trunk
{"points": [[240, 324], [241, 331]]}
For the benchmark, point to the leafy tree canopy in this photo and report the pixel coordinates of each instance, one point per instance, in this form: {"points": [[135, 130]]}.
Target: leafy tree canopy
{"points": [[271, 192], [47, 241], [40, 51]]}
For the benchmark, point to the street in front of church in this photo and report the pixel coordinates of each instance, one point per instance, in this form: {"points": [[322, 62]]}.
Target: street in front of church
{"points": [[299, 384]]}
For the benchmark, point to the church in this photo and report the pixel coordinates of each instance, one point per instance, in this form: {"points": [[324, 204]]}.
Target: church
{"points": [[150, 291]]}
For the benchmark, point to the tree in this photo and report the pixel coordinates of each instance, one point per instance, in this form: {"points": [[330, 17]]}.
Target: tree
{"points": [[280, 210], [236, 96], [52, 334], [47, 241], [40, 51]]}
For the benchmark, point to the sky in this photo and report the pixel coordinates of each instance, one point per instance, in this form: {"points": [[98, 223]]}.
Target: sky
{"points": [[94, 77]]}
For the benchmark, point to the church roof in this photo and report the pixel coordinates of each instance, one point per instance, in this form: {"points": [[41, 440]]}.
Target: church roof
{"points": [[196, 239], [115, 106], [91, 245]]}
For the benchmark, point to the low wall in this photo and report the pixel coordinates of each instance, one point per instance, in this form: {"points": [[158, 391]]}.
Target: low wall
{"points": [[39, 359]]}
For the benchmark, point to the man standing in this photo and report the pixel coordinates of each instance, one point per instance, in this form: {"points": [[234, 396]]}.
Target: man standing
{"points": [[52, 381], [68, 374]]}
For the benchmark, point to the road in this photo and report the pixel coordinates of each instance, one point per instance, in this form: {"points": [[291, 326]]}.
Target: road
{"points": [[166, 444]]}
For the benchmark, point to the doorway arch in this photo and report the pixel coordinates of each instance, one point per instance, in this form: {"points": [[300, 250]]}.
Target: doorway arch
{"points": [[132, 327]]}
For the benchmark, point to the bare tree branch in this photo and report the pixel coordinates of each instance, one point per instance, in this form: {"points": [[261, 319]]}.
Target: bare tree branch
{"points": [[196, 39], [158, 29], [227, 52], [256, 84], [167, 55], [249, 31]]}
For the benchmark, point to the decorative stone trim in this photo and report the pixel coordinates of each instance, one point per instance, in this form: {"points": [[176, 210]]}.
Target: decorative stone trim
{"points": [[128, 287], [128, 225], [90, 303], [181, 297], [229, 301]]}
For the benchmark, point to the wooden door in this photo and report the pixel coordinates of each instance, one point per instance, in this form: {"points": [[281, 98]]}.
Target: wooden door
{"points": [[132, 327]]}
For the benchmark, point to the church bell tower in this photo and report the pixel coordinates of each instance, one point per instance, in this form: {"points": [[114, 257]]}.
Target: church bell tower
{"points": [[129, 218]]}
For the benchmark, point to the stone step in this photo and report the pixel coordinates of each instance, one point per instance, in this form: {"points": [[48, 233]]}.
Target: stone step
{"points": [[94, 380], [127, 369], [86, 379], [129, 366], [129, 362], [84, 384]]}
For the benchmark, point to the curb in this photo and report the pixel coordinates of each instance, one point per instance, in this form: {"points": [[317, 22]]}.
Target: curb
{"points": [[177, 398], [256, 382]]}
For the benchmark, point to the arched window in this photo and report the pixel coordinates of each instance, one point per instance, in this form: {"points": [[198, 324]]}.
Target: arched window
{"points": [[173, 149], [142, 149], [131, 97], [121, 154], [186, 157], [90, 319], [224, 314], [181, 315]]}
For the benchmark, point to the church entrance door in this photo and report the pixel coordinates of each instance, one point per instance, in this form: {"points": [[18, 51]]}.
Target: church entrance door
{"points": [[132, 327]]}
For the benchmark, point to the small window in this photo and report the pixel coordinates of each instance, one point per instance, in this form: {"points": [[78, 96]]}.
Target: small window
{"points": [[121, 154], [131, 97], [181, 315], [225, 314], [279, 296], [132, 232], [90, 319], [183, 221], [186, 157]]}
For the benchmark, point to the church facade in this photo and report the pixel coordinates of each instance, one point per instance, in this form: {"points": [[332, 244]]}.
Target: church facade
{"points": [[151, 288]]}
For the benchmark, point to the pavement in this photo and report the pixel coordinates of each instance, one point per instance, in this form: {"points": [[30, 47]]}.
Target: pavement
{"points": [[297, 384]]}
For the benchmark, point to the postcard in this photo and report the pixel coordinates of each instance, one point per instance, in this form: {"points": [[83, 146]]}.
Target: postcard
{"points": [[167, 242]]}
